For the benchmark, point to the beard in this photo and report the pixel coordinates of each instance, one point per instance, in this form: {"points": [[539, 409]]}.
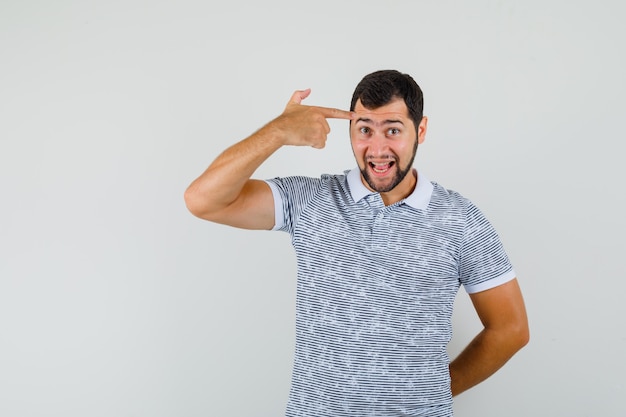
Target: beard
{"points": [[401, 173]]}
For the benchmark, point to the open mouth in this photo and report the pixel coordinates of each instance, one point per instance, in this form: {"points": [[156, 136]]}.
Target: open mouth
{"points": [[381, 167]]}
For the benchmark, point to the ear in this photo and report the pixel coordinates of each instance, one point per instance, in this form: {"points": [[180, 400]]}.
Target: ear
{"points": [[421, 130]]}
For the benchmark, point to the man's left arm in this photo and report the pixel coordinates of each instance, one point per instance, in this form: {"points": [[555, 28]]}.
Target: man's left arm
{"points": [[503, 314]]}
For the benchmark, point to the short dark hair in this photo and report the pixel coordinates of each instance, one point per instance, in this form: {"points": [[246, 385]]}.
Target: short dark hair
{"points": [[381, 87]]}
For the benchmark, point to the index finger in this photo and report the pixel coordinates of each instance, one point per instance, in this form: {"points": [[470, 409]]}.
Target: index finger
{"points": [[332, 113]]}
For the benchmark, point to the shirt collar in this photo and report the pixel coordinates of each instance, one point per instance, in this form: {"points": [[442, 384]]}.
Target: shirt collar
{"points": [[418, 199]]}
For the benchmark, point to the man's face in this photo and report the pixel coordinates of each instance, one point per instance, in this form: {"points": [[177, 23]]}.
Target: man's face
{"points": [[384, 142]]}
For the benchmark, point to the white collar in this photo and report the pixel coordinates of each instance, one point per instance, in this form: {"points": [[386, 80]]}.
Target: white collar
{"points": [[419, 198]]}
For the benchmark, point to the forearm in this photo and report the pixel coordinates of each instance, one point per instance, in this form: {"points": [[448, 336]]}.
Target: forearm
{"points": [[485, 354]]}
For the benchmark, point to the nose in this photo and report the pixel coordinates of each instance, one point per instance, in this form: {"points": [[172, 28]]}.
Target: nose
{"points": [[378, 145]]}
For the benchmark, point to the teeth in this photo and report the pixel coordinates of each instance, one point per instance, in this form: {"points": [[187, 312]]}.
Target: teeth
{"points": [[380, 167]]}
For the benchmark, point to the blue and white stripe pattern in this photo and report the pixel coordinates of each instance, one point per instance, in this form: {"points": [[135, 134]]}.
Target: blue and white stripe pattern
{"points": [[376, 287]]}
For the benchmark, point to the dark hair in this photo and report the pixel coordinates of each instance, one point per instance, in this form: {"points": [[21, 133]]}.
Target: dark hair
{"points": [[381, 87]]}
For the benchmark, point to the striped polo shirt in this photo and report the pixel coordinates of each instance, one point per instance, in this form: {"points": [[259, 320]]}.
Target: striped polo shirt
{"points": [[375, 292]]}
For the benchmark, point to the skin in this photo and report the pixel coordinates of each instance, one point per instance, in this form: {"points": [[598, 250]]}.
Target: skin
{"points": [[384, 142], [505, 331], [226, 194]]}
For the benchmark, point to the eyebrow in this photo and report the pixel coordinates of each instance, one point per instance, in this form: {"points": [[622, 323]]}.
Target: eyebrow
{"points": [[384, 122]]}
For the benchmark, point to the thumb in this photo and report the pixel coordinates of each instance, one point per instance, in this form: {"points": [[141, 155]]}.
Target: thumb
{"points": [[299, 95]]}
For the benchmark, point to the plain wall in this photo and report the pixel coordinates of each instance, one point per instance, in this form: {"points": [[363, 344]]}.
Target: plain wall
{"points": [[116, 301]]}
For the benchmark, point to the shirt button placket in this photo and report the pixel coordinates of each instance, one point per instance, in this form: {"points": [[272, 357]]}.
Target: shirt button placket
{"points": [[380, 230]]}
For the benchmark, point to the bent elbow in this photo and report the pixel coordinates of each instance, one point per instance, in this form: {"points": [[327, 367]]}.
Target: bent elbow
{"points": [[193, 202], [526, 338], [522, 335]]}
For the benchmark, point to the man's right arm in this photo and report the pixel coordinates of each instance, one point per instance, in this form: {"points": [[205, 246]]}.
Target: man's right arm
{"points": [[225, 192]]}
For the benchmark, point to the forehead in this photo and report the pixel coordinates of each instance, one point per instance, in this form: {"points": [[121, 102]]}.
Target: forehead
{"points": [[394, 110]]}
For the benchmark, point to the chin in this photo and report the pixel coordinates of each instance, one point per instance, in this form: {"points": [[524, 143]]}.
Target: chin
{"points": [[387, 183], [384, 185]]}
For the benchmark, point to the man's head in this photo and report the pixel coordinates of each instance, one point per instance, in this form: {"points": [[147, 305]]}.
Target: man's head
{"points": [[388, 126], [381, 87]]}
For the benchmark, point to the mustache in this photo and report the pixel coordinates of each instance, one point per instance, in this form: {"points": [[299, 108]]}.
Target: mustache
{"points": [[379, 157]]}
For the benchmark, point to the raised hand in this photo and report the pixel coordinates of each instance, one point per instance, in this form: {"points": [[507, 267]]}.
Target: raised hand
{"points": [[302, 125]]}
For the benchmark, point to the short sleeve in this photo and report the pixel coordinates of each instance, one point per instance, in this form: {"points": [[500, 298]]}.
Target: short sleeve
{"points": [[484, 263], [279, 218], [291, 195]]}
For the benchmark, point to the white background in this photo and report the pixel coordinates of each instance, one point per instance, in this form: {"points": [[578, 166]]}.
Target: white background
{"points": [[115, 301]]}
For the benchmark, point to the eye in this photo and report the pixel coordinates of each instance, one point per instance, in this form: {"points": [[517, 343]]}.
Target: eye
{"points": [[364, 130], [393, 131]]}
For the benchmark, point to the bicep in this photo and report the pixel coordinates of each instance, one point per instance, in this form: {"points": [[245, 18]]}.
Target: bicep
{"points": [[501, 307], [253, 208]]}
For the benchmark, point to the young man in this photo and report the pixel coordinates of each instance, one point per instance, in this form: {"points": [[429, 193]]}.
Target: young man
{"points": [[381, 253]]}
